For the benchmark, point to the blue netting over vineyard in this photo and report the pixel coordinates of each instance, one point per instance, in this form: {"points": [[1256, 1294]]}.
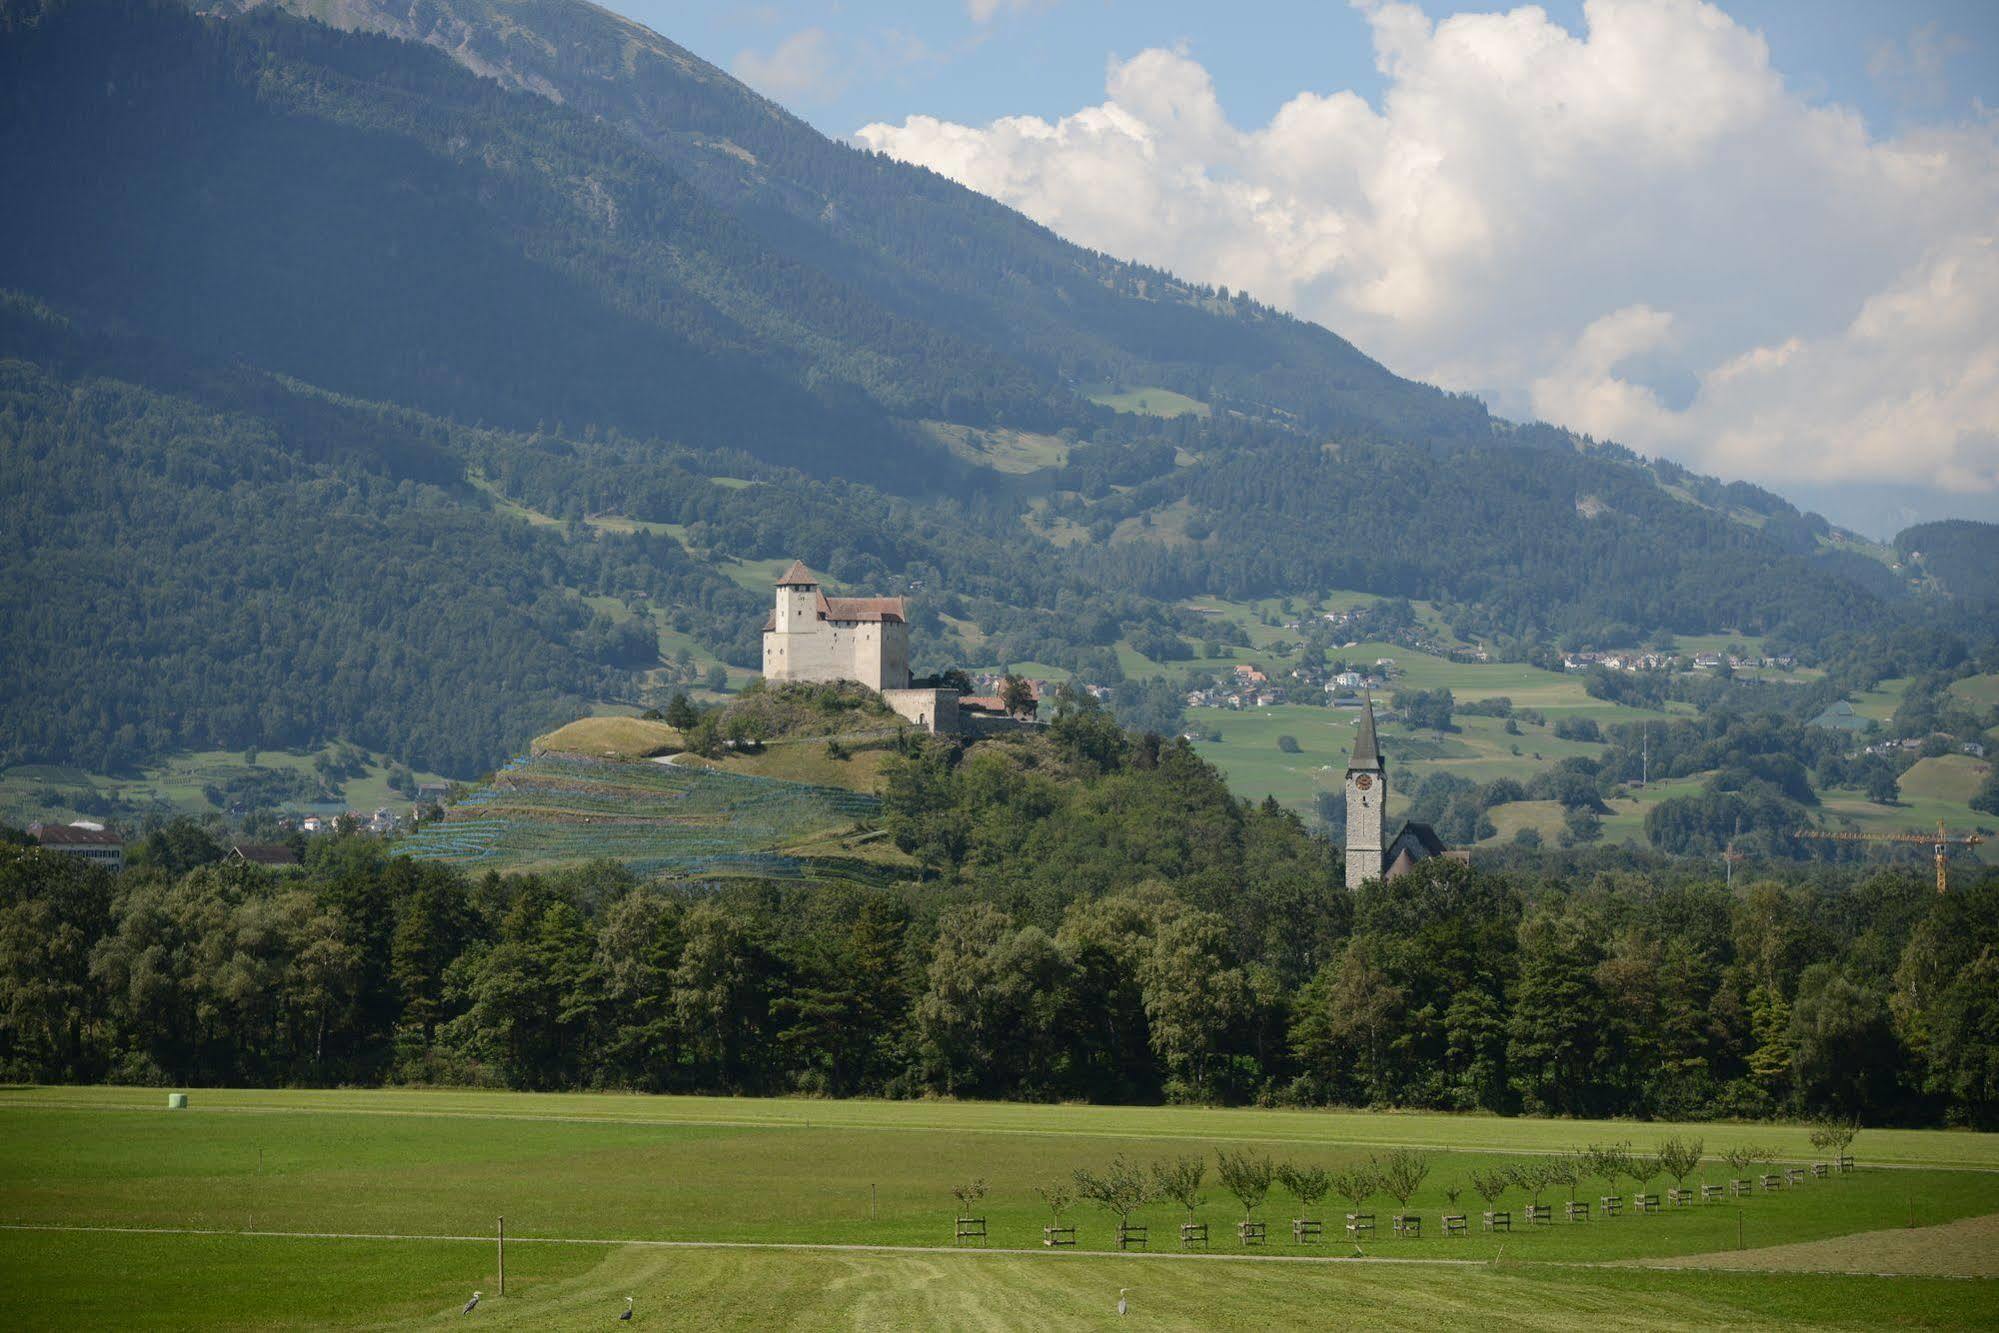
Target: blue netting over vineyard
{"points": [[659, 819]]}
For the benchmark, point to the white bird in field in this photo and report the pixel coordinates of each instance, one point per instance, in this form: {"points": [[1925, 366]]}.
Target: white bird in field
{"points": [[471, 1305], [1120, 1300], [626, 1315]]}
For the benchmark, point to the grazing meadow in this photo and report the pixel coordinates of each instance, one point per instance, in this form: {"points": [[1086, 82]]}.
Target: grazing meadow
{"points": [[272, 1209]]}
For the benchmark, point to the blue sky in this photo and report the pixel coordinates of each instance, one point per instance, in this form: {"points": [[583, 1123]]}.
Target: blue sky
{"points": [[1049, 57], [1760, 237]]}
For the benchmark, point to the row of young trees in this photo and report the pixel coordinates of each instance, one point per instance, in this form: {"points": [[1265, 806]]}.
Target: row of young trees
{"points": [[1124, 1186]]}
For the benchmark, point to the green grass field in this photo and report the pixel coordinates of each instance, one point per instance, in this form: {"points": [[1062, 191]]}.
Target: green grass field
{"points": [[296, 1209], [1002, 449], [1151, 401], [175, 785], [1978, 691]]}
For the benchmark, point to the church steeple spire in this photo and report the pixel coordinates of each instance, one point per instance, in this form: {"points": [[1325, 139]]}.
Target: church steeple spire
{"points": [[1366, 749]]}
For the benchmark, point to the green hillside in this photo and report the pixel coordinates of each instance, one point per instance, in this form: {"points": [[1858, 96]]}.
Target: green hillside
{"points": [[508, 411], [662, 820]]}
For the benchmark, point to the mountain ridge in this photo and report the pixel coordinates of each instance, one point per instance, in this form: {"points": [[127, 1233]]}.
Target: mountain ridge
{"points": [[468, 292]]}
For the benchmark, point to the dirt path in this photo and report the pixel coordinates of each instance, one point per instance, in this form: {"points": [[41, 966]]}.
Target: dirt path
{"points": [[1968, 1247]]}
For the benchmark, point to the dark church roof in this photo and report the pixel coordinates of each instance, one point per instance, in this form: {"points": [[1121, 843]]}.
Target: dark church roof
{"points": [[1419, 840], [1366, 750]]}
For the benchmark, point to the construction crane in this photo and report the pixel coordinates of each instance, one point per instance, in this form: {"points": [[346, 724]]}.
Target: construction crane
{"points": [[1940, 842]]}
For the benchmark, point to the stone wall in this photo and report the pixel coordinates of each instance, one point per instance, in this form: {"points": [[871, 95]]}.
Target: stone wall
{"points": [[936, 711]]}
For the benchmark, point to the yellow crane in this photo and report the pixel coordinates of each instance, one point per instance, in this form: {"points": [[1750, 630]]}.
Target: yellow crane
{"points": [[1940, 842]]}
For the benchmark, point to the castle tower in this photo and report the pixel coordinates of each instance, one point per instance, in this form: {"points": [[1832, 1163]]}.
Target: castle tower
{"points": [[797, 600], [1367, 805]]}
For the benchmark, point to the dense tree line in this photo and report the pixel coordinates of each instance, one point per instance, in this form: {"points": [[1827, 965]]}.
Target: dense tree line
{"points": [[1096, 918]]}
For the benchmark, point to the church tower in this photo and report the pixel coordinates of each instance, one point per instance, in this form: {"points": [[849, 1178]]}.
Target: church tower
{"points": [[1367, 805]]}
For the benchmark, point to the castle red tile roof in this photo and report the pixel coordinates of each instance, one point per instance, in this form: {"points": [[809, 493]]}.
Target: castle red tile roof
{"points": [[862, 608], [875, 610], [798, 575]]}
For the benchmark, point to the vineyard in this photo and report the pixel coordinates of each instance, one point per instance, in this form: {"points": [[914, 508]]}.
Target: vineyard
{"points": [[658, 819]]}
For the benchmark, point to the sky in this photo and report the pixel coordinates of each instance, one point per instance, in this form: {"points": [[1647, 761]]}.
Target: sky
{"points": [[1760, 237]]}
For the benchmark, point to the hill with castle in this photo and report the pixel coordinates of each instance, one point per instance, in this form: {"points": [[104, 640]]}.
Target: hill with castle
{"points": [[325, 493]]}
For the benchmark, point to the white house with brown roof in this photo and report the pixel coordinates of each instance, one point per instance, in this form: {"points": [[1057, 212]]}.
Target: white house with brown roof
{"points": [[810, 636], [89, 841]]}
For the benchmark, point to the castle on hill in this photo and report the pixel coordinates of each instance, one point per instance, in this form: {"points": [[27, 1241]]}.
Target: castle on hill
{"points": [[810, 636], [1370, 855]]}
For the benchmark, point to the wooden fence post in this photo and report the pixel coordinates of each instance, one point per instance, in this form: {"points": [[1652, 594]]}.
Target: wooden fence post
{"points": [[503, 1256]]}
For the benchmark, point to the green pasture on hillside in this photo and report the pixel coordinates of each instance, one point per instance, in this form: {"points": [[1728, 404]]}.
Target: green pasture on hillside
{"points": [[1978, 691], [1149, 400], [258, 1209], [1479, 750], [175, 785], [674, 820]]}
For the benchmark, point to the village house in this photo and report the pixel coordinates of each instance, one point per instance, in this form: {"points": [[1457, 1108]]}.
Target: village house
{"points": [[91, 842]]}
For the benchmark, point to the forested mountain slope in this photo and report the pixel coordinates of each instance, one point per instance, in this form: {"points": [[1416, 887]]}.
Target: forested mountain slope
{"points": [[915, 242], [291, 302]]}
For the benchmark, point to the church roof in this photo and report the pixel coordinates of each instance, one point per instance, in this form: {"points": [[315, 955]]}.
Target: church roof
{"points": [[798, 576], [1420, 840], [1366, 750]]}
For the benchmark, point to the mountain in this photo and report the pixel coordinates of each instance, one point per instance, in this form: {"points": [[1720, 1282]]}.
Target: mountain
{"points": [[920, 245], [360, 389]]}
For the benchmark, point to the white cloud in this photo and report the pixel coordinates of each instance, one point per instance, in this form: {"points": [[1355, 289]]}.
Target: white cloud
{"points": [[1567, 224], [803, 67], [1918, 71]]}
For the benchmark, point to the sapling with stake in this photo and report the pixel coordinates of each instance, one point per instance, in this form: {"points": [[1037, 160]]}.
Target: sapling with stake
{"points": [[1611, 1162], [1307, 1184], [1491, 1185], [1402, 1173], [1247, 1175], [1533, 1178], [1122, 1188], [1680, 1158], [1566, 1169], [1833, 1134], [969, 1195], [1180, 1180], [1645, 1169], [1357, 1183], [1058, 1195]]}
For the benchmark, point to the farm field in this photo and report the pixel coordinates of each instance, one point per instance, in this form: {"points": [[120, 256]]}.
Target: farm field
{"points": [[610, 737], [378, 1207], [1978, 691], [1151, 401], [1017, 452], [175, 786], [1480, 750], [547, 810]]}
